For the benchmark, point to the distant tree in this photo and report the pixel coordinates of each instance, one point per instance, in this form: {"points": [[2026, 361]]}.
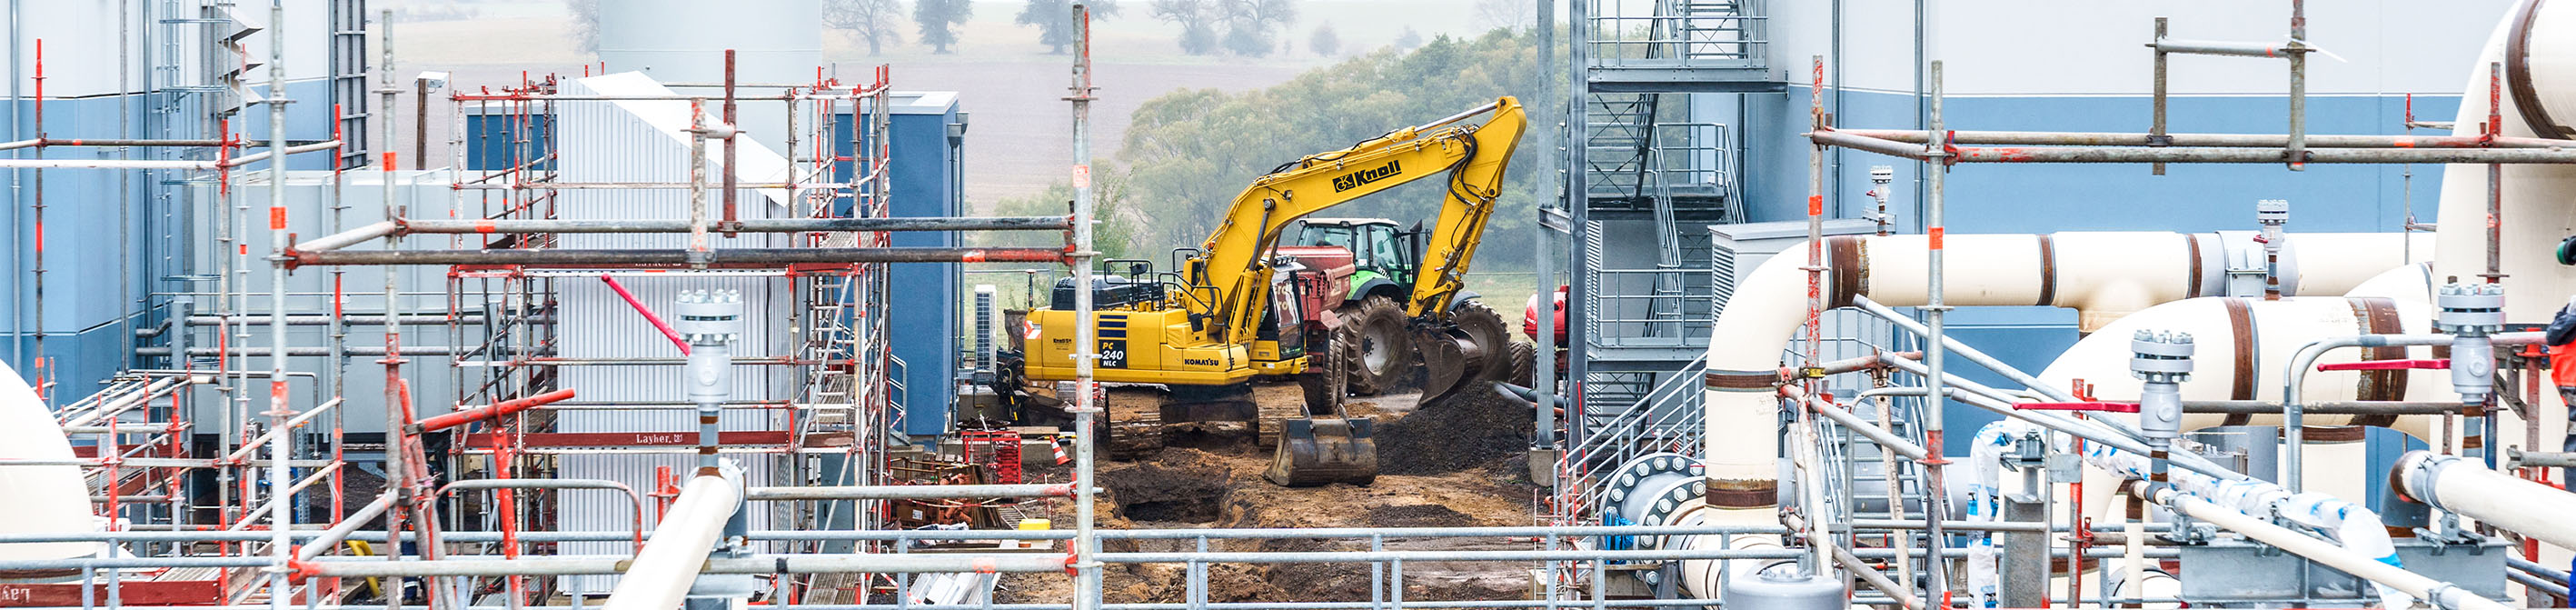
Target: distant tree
{"points": [[1187, 154], [1506, 14], [585, 25], [1408, 40], [869, 20], [1122, 228], [1054, 19], [1252, 26], [1198, 20], [1324, 41], [939, 19]]}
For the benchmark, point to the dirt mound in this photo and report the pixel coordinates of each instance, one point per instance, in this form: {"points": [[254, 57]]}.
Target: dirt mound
{"points": [[1180, 490], [1418, 515], [1474, 428]]}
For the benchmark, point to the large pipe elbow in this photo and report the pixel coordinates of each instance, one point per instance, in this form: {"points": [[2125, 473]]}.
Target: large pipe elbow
{"points": [[2535, 48], [2104, 276], [43, 499]]}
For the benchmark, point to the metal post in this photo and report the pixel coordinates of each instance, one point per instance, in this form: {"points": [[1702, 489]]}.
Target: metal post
{"points": [[2156, 133], [1086, 411], [2494, 175], [281, 450], [1935, 351], [1543, 373], [42, 372], [2296, 153], [698, 131], [1578, 42], [419, 120], [732, 135], [398, 482]]}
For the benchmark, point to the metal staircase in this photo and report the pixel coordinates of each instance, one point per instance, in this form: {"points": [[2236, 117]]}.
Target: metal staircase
{"points": [[1654, 174], [1663, 418], [1678, 46]]}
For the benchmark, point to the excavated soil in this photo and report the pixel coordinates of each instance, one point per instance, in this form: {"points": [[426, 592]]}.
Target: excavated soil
{"points": [[1457, 464], [1474, 429]]}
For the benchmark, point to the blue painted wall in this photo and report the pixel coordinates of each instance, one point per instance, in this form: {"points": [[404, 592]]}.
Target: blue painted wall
{"points": [[923, 306], [102, 228], [490, 142]]}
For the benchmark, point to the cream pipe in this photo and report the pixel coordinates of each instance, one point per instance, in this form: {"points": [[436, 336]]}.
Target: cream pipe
{"points": [[2249, 364], [2494, 498], [2102, 275], [661, 575], [2534, 46], [42, 499], [2244, 345], [2535, 214]]}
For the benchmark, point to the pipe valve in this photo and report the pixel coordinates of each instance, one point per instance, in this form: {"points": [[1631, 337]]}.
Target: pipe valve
{"points": [[2163, 360], [709, 320], [2471, 312]]}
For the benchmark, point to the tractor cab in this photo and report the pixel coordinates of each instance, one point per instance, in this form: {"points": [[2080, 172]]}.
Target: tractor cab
{"points": [[1380, 249]]}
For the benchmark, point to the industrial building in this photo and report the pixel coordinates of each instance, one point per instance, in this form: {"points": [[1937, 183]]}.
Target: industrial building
{"points": [[1885, 303]]}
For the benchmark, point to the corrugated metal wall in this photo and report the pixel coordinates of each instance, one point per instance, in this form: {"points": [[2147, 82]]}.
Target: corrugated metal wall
{"points": [[637, 142]]}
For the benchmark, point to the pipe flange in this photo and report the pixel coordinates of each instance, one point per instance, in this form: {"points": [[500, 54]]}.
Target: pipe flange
{"points": [[2161, 357], [1639, 470], [2474, 309], [1667, 506]]}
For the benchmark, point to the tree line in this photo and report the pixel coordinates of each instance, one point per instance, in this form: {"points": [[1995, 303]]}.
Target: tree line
{"points": [[1246, 28], [1187, 154]]}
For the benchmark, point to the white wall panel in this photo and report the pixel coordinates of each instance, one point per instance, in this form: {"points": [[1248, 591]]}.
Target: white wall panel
{"points": [[2053, 47]]}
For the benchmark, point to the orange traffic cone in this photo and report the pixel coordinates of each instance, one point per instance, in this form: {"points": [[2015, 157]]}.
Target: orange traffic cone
{"points": [[1060, 457]]}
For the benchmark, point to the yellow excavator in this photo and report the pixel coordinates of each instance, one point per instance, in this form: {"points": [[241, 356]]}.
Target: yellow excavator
{"points": [[1243, 330]]}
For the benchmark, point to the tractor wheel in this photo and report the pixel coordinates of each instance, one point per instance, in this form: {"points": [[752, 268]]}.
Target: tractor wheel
{"points": [[1382, 346], [1486, 328], [1523, 362], [1327, 383]]}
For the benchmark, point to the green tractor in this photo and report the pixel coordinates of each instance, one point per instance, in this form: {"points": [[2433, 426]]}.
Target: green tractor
{"points": [[1387, 260]]}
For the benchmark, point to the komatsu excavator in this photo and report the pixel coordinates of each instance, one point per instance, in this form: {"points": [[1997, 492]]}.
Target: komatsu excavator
{"points": [[1223, 336]]}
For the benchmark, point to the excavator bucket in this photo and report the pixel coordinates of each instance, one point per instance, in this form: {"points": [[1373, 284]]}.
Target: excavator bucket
{"points": [[1450, 358], [1328, 445], [1323, 451], [1472, 347]]}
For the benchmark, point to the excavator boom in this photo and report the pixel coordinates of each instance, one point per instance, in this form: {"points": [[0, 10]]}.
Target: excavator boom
{"points": [[1474, 158]]}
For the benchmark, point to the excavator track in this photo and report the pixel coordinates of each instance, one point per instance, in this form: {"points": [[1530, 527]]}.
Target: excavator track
{"points": [[1276, 402], [1135, 421]]}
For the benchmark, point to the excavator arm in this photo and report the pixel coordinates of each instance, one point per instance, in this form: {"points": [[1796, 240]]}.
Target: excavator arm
{"points": [[1233, 266]]}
